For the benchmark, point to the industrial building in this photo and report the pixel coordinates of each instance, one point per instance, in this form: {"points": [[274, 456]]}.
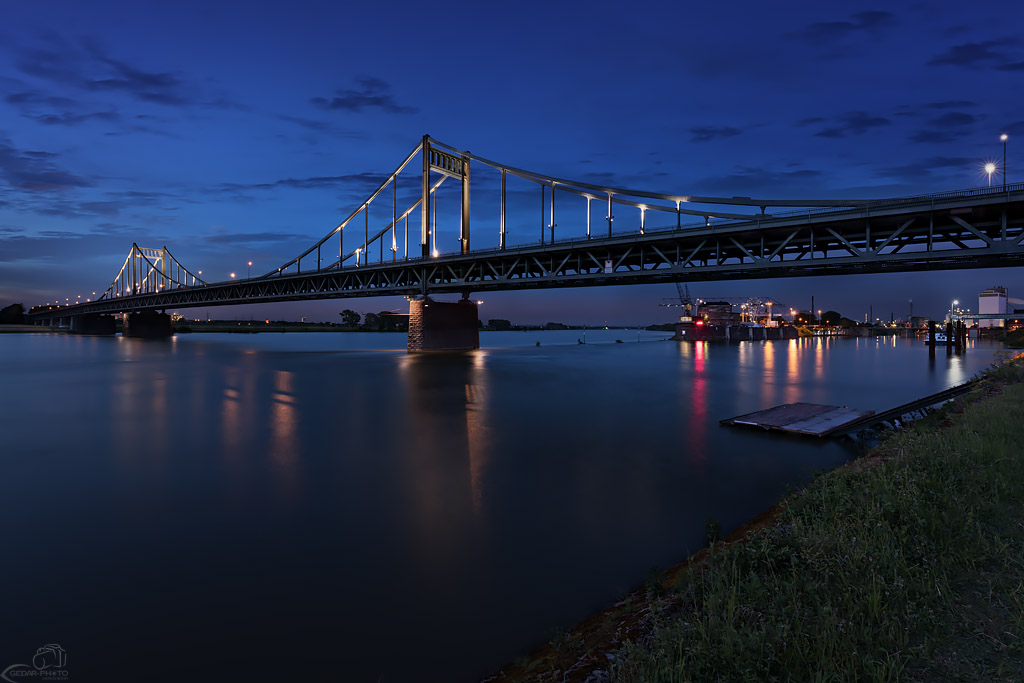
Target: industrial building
{"points": [[992, 301]]}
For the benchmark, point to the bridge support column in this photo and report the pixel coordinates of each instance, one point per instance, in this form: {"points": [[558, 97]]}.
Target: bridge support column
{"points": [[443, 325], [93, 323], [147, 324]]}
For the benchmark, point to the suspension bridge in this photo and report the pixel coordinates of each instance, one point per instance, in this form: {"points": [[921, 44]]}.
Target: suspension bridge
{"points": [[598, 235]]}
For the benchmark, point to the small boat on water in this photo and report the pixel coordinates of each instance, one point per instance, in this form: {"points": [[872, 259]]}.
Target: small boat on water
{"points": [[940, 338]]}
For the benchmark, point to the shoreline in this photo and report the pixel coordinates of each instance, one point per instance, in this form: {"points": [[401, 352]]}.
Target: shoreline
{"points": [[588, 650]]}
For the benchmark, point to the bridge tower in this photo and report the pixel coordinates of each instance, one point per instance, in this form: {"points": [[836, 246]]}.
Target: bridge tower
{"points": [[435, 159]]}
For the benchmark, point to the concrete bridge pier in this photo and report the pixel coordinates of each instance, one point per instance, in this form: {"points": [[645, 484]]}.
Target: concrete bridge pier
{"points": [[443, 325], [147, 324], [93, 323]]}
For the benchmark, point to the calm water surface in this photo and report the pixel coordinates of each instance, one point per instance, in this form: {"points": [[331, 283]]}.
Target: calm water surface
{"points": [[327, 507]]}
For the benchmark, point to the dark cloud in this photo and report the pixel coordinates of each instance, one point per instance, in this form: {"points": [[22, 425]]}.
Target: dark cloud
{"points": [[826, 32], [318, 126], [100, 204], [976, 55], [34, 104], [853, 123], [161, 88], [372, 93], [360, 181], [1016, 66], [1015, 128], [751, 181], [709, 133], [925, 168], [953, 119], [952, 104], [34, 171], [937, 136], [69, 119], [87, 65], [36, 97], [253, 237]]}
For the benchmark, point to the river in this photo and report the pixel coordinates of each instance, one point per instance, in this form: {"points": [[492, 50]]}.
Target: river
{"points": [[327, 507]]}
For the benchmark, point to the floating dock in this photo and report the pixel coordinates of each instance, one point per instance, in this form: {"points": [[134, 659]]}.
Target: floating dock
{"points": [[818, 420], [802, 418]]}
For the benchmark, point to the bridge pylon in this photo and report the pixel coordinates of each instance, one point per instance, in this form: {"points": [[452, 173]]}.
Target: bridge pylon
{"points": [[452, 166], [148, 270]]}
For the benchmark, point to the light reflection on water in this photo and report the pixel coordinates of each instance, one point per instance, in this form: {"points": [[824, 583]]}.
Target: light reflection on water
{"points": [[293, 499]]}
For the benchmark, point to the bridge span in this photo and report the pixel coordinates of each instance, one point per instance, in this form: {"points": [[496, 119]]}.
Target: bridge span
{"points": [[735, 238]]}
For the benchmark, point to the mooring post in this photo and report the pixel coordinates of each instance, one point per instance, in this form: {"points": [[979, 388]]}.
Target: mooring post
{"points": [[949, 338], [931, 338]]}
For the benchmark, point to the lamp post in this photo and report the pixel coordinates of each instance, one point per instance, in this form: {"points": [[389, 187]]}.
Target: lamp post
{"points": [[1003, 138], [990, 168], [248, 271]]}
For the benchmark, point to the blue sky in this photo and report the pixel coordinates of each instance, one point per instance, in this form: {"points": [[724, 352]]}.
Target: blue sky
{"points": [[233, 132]]}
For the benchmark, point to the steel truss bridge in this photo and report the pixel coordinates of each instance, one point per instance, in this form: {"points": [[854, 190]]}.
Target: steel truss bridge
{"points": [[697, 239]]}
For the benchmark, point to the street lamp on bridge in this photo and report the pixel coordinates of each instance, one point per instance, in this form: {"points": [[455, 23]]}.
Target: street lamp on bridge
{"points": [[990, 168], [1003, 137], [248, 272]]}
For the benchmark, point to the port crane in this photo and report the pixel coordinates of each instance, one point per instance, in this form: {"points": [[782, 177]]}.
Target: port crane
{"points": [[751, 306]]}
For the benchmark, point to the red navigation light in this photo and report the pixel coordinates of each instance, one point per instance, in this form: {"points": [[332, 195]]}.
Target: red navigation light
{"points": [[700, 322]]}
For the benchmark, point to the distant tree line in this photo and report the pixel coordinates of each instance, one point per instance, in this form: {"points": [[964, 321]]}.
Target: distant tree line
{"points": [[12, 315], [385, 321]]}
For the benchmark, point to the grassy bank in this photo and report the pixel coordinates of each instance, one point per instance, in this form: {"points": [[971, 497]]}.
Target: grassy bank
{"points": [[907, 564]]}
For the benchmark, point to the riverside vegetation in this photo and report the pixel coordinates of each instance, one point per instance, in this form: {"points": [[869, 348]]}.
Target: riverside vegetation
{"points": [[906, 564]]}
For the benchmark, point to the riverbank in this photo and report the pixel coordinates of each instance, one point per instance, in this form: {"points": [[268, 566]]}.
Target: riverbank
{"points": [[905, 563]]}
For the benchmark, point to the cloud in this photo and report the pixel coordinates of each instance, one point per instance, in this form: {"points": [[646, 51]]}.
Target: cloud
{"points": [[87, 65], [34, 171], [823, 33], [37, 97], [937, 136], [253, 237], [1016, 66], [925, 168], [373, 93], [1015, 128], [748, 181], [853, 123], [363, 181], [976, 55], [161, 88], [53, 110], [954, 119], [69, 119], [709, 133], [952, 104], [318, 126], [810, 120]]}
